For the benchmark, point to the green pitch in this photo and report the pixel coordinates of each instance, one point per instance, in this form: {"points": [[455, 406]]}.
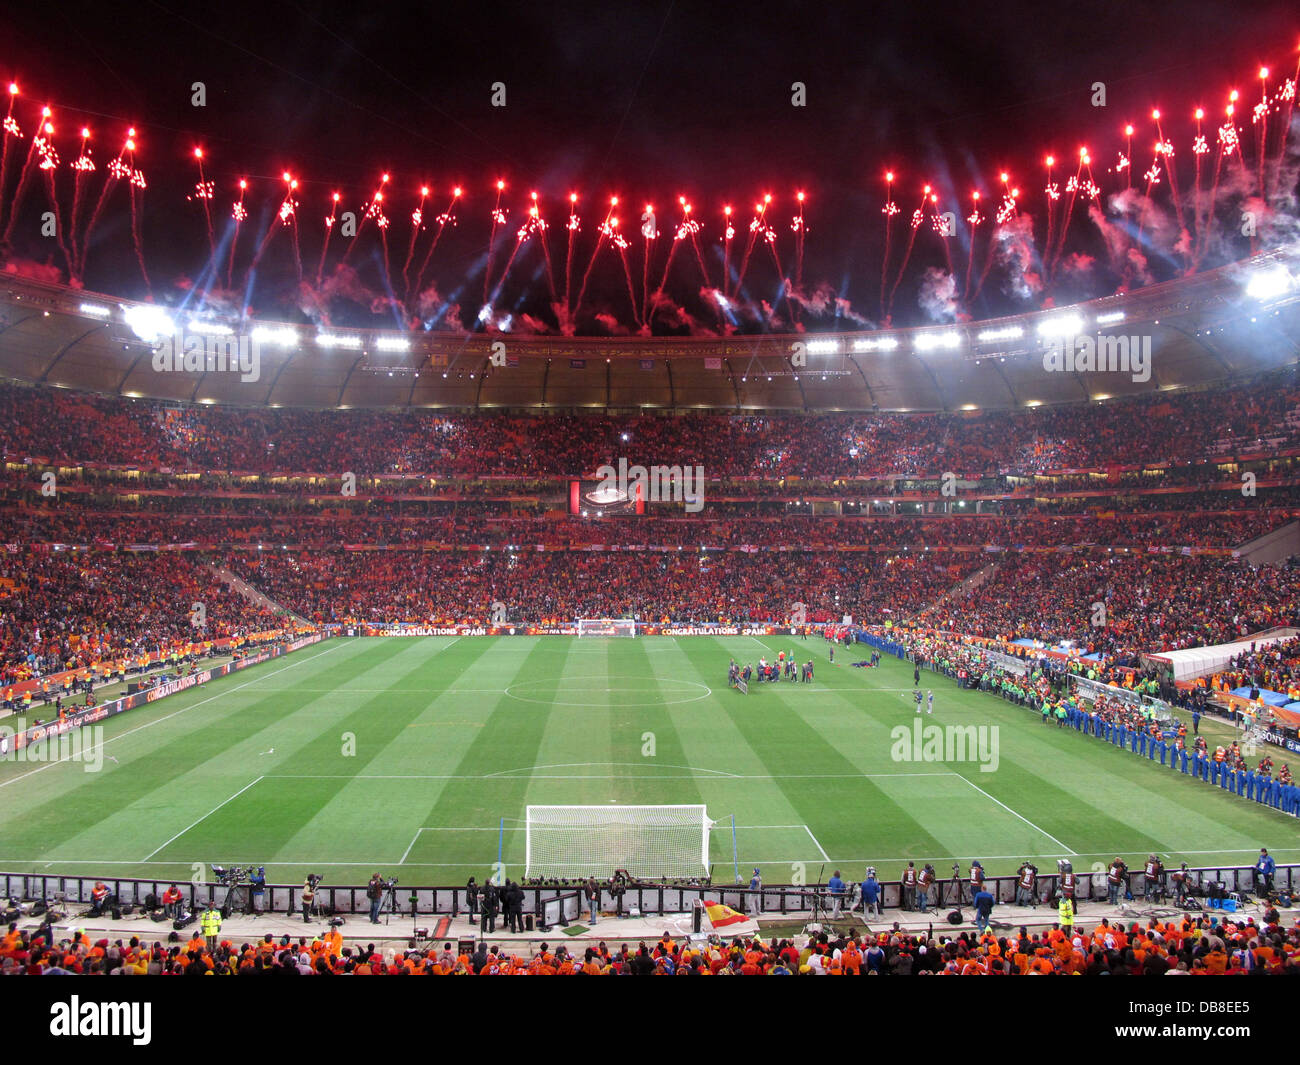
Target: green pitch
{"points": [[403, 756]]}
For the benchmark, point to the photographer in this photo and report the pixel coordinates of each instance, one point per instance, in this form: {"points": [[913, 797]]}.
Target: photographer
{"points": [[1026, 880], [1068, 883], [909, 886], [171, 901], [308, 897], [471, 900], [375, 893], [591, 892], [1116, 876], [1152, 875], [491, 900], [618, 888], [924, 881], [976, 879]]}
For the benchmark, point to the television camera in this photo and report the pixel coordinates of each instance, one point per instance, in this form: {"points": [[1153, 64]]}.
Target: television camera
{"points": [[235, 879], [229, 876]]}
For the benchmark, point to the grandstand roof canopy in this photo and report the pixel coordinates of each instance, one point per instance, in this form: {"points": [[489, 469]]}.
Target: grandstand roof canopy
{"points": [[1199, 331], [1201, 661]]}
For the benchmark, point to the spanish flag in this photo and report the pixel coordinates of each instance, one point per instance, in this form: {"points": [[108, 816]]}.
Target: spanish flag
{"points": [[720, 916]]}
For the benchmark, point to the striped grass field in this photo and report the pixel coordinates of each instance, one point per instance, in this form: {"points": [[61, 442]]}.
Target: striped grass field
{"points": [[403, 755]]}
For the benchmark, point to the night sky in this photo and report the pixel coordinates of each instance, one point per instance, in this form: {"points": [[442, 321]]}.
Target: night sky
{"points": [[647, 101]]}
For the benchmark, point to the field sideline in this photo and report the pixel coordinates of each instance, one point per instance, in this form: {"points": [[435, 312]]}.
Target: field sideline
{"points": [[403, 754]]}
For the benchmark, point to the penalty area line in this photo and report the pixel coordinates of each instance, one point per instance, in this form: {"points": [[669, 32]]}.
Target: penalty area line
{"points": [[1014, 814], [439, 828], [201, 819], [820, 848]]}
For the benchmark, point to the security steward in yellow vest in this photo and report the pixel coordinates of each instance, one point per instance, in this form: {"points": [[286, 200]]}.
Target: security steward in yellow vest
{"points": [[210, 922], [1065, 914]]}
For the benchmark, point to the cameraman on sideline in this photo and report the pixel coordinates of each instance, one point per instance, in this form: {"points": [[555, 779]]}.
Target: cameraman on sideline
{"points": [[308, 895], [257, 890], [375, 893]]}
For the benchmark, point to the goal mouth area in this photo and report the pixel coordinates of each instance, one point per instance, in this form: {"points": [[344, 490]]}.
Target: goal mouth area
{"points": [[609, 627], [648, 842]]}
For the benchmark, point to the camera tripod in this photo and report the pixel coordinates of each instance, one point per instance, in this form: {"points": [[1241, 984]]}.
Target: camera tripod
{"points": [[956, 885], [822, 911], [236, 900], [389, 905]]}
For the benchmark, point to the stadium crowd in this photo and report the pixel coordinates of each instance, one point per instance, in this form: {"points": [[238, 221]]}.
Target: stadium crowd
{"points": [[1149, 602], [62, 609], [383, 525], [86, 527], [1255, 417], [67, 611], [545, 587], [1190, 945]]}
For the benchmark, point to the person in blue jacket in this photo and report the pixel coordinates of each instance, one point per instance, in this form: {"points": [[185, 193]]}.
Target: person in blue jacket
{"points": [[1263, 871], [836, 888], [871, 893], [983, 909]]}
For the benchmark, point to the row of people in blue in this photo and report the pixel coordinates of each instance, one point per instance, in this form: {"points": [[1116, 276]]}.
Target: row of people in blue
{"points": [[1280, 792]]}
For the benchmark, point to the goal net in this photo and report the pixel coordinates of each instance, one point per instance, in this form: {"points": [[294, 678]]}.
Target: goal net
{"points": [[606, 627], [647, 841]]}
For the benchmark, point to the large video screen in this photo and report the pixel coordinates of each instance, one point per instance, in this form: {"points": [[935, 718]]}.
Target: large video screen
{"points": [[597, 499]]}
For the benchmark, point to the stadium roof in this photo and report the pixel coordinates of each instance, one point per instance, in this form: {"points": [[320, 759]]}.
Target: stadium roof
{"points": [[1232, 322]]}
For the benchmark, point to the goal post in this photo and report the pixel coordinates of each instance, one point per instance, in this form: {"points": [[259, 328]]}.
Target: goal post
{"points": [[606, 627], [647, 841]]}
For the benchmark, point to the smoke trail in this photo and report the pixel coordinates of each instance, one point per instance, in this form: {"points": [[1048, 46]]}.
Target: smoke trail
{"points": [[938, 295], [1016, 252]]}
